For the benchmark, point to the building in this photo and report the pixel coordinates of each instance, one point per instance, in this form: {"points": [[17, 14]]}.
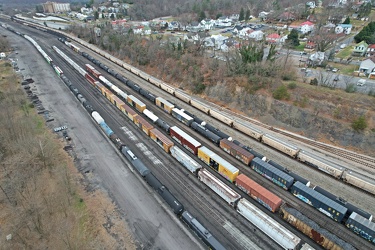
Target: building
{"points": [[52, 7], [360, 49]]}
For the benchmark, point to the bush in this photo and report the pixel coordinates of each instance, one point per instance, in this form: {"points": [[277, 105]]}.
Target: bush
{"points": [[292, 85], [314, 82], [350, 88], [360, 123], [199, 88], [281, 93]]}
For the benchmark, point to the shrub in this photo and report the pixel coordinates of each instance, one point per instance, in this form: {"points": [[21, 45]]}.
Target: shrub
{"points": [[281, 93], [292, 85], [199, 88], [350, 88], [360, 123], [314, 82]]}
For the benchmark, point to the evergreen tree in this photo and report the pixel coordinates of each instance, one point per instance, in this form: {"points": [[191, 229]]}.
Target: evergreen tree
{"points": [[293, 37], [347, 21], [247, 15], [202, 16], [242, 15]]}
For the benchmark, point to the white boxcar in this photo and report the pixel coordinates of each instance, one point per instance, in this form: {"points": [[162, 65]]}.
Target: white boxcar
{"points": [[185, 160], [247, 129], [323, 165], [182, 96], [182, 117], [134, 70], [150, 115], [359, 180], [199, 105], [280, 145], [126, 66], [167, 88], [224, 191], [269, 226], [154, 81], [144, 75], [216, 114]]}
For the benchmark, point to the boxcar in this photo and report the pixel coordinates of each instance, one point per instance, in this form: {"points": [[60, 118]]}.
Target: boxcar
{"points": [[135, 102], [185, 140], [161, 139], [166, 87], [182, 96], [269, 200], [360, 225], [318, 163], [92, 70], [116, 101], [236, 151], [150, 115], [280, 145], [199, 105], [164, 104], [129, 112], [223, 167], [154, 81], [188, 162], [269, 226], [216, 185], [181, 116], [273, 174], [90, 79], [359, 180], [216, 114], [143, 124], [325, 205], [310, 228], [247, 129]]}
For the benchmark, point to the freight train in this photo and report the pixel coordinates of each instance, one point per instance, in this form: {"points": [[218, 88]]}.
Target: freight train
{"points": [[231, 173], [347, 175], [357, 226]]}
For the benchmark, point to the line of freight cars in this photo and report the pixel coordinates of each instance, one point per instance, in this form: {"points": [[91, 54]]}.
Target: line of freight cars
{"points": [[347, 175], [280, 234], [223, 167], [220, 165], [355, 227]]}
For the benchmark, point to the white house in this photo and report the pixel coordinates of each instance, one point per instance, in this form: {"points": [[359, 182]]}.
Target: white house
{"points": [[207, 24], [2, 55], [311, 5], [223, 22], [306, 27], [257, 35], [343, 28], [317, 58], [244, 33]]}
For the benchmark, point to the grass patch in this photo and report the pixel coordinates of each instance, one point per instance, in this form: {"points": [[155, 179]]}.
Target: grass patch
{"points": [[301, 46], [345, 53]]}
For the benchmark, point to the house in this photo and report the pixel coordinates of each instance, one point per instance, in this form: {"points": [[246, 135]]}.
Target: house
{"points": [[370, 50], [316, 58], [2, 55], [311, 5], [207, 24], [223, 22], [194, 27], [306, 27], [273, 38], [244, 33], [360, 49], [310, 46], [173, 25], [257, 35], [343, 28], [237, 29], [367, 66], [286, 16], [263, 15]]}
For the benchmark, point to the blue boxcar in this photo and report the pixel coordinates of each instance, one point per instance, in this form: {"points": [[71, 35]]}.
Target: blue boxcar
{"points": [[273, 174], [360, 225], [325, 205]]}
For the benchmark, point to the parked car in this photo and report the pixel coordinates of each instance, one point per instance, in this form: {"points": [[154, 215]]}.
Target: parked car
{"points": [[361, 82]]}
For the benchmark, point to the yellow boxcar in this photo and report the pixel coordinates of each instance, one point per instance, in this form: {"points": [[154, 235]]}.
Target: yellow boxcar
{"points": [[135, 102], [128, 111], [143, 124], [204, 154], [164, 104], [161, 139], [116, 101]]}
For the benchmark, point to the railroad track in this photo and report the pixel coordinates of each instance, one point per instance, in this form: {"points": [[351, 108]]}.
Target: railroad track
{"points": [[360, 159]]}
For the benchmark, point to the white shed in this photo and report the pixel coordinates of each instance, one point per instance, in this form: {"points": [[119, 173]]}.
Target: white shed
{"points": [[2, 55]]}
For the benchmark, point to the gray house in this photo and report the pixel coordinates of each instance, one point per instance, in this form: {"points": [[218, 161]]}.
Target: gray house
{"points": [[367, 66]]}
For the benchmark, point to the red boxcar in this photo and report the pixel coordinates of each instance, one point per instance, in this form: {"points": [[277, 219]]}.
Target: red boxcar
{"points": [[185, 140], [236, 151], [259, 193], [90, 79], [93, 71]]}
